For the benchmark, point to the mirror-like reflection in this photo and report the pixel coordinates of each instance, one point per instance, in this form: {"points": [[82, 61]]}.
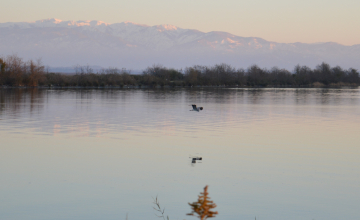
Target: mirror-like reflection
{"points": [[112, 110], [99, 154]]}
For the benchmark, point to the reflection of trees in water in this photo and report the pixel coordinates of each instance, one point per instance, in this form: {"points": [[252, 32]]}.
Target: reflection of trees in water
{"points": [[95, 112], [255, 96], [192, 95], [162, 94], [302, 96], [215, 95], [16, 101], [273, 96], [324, 97], [81, 95]]}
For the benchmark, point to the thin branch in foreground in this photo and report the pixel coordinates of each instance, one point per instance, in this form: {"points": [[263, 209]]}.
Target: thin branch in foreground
{"points": [[158, 208]]}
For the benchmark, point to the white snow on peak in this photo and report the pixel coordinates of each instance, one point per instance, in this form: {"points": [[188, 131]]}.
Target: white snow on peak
{"points": [[49, 20], [167, 27], [133, 23], [93, 23], [53, 22], [139, 44], [89, 23]]}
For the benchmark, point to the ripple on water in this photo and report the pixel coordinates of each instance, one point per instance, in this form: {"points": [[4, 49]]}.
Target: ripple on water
{"points": [[270, 153]]}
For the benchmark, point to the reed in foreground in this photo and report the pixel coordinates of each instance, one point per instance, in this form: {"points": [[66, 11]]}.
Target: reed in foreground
{"points": [[202, 208], [158, 209]]}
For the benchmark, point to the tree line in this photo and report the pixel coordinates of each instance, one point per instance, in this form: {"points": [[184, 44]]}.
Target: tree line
{"points": [[14, 71]]}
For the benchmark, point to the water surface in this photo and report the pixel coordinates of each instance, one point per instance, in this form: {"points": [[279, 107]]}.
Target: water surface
{"points": [[276, 154]]}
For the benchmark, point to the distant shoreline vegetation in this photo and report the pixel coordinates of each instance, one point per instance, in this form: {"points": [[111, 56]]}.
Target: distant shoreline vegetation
{"points": [[15, 72]]}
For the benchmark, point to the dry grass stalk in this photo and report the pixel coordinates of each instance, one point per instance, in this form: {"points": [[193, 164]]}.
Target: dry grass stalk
{"points": [[157, 208]]}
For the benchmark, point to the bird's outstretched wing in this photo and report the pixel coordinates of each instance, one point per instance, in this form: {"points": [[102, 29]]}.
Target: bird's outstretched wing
{"points": [[194, 107]]}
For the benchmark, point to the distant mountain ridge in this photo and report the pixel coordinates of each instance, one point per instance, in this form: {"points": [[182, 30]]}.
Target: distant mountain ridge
{"points": [[136, 46]]}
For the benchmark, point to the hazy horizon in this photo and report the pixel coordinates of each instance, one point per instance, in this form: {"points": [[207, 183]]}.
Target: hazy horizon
{"points": [[279, 21], [163, 24]]}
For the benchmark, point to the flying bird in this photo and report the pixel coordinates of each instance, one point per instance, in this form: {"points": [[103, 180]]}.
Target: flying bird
{"points": [[194, 159], [196, 108]]}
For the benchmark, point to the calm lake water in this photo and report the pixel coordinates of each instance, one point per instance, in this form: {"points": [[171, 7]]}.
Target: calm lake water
{"points": [[277, 154]]}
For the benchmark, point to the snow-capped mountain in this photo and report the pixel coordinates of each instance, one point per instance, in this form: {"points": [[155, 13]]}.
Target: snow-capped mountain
{"points": [[135, 46]]}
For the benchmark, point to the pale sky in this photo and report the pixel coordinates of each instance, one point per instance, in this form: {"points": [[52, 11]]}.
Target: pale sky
{"points": [[284, 21]]}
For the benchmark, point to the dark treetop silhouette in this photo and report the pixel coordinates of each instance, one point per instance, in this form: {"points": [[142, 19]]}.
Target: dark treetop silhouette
{"points": [[16, 72]]}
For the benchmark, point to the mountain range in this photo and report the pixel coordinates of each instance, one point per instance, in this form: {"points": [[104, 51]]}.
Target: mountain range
{"points": [[135, 46]]}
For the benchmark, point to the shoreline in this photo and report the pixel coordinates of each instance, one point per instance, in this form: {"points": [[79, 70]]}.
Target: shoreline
{"points": [[185, 87]]}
